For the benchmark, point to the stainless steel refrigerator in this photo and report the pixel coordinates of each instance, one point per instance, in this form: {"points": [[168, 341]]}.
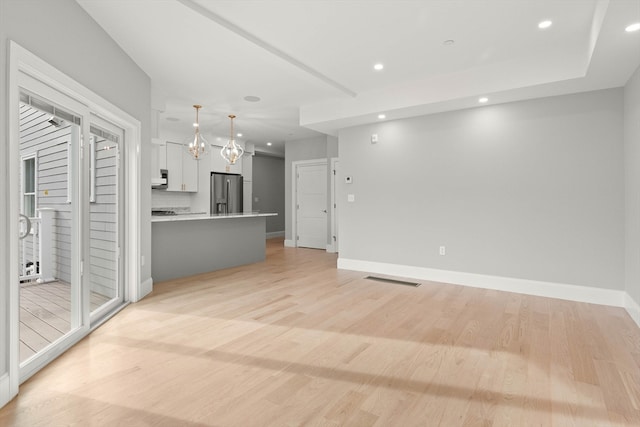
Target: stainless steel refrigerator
{"points": [[226, 193]]}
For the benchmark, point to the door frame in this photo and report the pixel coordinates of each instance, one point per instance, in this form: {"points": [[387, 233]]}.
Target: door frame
{"points": [[333, 246], [22, 61], [294, 199]]}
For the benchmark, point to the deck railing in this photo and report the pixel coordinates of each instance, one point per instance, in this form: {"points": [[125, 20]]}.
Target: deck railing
{"points": [[30, 249], [36, 248]]}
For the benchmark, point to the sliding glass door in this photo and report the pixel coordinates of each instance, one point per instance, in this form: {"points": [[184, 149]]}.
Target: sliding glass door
{"points": [[49, 249], [50, 231], [70, 228], [105, 218]]}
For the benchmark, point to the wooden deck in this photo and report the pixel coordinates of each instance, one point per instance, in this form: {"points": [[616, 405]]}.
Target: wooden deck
{"points": [[45, 314]]}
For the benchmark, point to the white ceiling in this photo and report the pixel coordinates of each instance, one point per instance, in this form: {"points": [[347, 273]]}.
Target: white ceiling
{"points": [[311, 61]]}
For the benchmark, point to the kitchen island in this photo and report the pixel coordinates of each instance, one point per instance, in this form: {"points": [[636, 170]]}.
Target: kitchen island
{"points": [[184, 245]]}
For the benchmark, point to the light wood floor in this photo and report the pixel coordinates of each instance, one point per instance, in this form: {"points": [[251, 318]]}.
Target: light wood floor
{"points": [[292, 341], [45, 314]]}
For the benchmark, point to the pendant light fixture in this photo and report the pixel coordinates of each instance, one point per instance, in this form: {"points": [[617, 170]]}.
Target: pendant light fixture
{"points": [[198, 145], [231, 152]]}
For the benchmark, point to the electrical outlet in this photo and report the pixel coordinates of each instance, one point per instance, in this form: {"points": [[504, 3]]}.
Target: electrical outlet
{"points": [[443, 250]]}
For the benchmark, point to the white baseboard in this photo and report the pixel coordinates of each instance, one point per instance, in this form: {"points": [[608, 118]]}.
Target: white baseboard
{"points": [[5, 390], [331, 248], [289, 243], [145, 288], [273, 234], [508, 284], [633, 308]]}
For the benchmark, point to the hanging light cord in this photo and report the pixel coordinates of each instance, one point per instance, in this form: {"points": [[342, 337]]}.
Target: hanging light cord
{"points": [[231, 116]]}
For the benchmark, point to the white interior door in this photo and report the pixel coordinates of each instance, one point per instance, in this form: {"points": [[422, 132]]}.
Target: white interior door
{"points": [[311, 206]]}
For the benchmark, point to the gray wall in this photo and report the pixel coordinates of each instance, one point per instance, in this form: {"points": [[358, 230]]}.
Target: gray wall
{"points": [[268, 188], [62, 34], [632, 185], [529, 190], [4, 193]]}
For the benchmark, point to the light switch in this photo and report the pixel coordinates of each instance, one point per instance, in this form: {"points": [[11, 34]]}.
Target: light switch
{"points": [[374, 138], [351, 197]]}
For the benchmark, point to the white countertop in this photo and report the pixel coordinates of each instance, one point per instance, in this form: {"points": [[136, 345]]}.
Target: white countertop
{"points": [[193, 217]]}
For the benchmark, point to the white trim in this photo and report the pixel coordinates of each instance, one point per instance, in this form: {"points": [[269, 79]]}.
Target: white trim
{"points": [[146, 287], [13, 197], [288, 243], [294, 202], [5, 390], [509, 284], [331, 248], [73, 137], [24, 158], [633, 308], [92, 167], [273, 234]]}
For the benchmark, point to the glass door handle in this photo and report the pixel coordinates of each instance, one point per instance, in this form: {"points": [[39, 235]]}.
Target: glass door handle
{"points": [[27, 229]]}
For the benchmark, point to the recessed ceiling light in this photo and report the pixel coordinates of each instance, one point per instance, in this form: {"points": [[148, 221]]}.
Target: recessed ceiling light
{"points": [[378, 67], [252, 98], [173, 119], [382, 116], [633, 27], [238, 134], [448, 42], [483, 100], [544, 24], [269, 144]]}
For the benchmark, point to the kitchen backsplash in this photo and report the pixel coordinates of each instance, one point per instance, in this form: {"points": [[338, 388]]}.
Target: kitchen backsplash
{"points": [[166, 199]]}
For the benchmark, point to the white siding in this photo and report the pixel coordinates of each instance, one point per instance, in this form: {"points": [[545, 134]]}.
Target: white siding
{"points": [[104, 220]]}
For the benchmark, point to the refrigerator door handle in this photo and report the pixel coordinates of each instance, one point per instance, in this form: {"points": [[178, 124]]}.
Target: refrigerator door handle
{"points": [[228, 190]]}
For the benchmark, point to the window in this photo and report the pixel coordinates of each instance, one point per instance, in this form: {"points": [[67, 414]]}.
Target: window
{"points": [[29, 186]]}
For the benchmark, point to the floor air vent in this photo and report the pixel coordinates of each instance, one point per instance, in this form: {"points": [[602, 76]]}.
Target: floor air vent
{"points": [[395, 282]]}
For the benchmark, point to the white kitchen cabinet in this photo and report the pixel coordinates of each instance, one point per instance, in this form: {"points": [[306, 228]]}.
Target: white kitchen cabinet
{"points": [[182, 168], [174, 166], [189, 172], [158, 157]]}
